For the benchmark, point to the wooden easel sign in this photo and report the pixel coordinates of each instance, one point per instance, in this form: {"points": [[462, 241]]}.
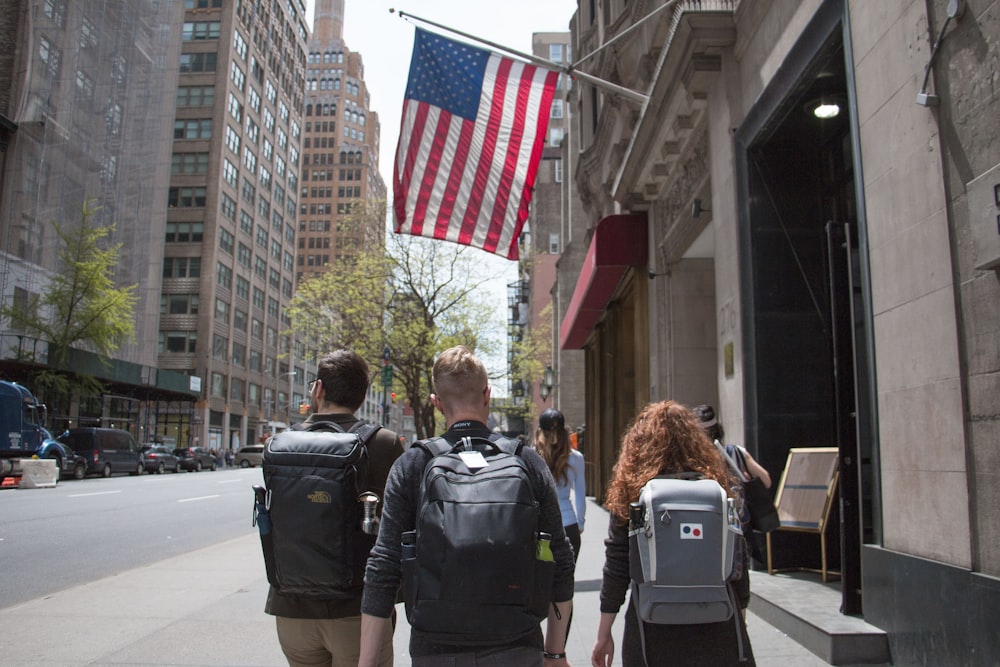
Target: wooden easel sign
{"points": [[805, 495]]}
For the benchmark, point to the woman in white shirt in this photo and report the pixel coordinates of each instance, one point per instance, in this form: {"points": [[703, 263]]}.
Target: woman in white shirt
{"points": [[567, 466]]}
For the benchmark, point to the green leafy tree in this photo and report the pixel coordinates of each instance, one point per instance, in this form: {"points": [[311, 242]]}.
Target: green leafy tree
{"points": [[81, 306], [530, 354], [415, 296]]}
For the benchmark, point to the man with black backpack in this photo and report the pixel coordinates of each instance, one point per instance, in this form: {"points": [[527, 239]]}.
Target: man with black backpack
{"points": [[472, 529], [322, 480]]}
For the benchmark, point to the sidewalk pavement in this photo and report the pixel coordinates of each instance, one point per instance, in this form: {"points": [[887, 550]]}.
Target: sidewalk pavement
{"points": [[206, 608]]}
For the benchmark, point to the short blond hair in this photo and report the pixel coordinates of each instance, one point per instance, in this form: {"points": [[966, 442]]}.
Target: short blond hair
{"points": [[459, 376]]}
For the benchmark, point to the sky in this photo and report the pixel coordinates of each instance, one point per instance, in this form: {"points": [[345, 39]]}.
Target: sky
{"points": [[385, 42]]}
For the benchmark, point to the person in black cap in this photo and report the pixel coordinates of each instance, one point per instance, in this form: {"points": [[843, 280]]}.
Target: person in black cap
{"points": [[709, 422], [567, 467]]}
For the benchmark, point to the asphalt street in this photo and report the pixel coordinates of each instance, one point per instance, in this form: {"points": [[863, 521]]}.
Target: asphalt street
{"points": [[205, 606]]}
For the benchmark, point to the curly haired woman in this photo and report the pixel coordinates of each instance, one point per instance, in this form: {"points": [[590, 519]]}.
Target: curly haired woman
{"points": [[664, 439]]}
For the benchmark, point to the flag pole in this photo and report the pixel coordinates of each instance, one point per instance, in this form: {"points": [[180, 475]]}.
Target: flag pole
{"points": [[613, 88], [637, 24]]}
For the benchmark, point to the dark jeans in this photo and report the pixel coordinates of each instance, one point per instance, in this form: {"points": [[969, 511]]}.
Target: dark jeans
{"points": [[573, 533], [519, 656]]}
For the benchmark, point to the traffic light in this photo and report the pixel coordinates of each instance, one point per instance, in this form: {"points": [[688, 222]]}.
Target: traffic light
{"points": [[392, 395], [303, 408]]}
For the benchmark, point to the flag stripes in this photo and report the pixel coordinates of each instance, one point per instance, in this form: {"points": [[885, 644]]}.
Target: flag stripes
{"points": [[469, 179]]}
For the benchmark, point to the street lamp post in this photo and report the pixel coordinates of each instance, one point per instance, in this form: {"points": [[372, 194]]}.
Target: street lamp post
{"points": [[547, 382]]}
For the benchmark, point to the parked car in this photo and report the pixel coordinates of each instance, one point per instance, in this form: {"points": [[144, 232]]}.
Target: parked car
{"points": [[68, 462], [195, 458], [250, 456], [158, 458], [106, 450]]}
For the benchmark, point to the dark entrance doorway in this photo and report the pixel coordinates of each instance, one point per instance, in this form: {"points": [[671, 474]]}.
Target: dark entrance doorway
{"points": [[807, 377]]}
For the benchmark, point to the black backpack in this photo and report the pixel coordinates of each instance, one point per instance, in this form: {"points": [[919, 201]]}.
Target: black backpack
{"points": [[473, 570], [309, 513]]}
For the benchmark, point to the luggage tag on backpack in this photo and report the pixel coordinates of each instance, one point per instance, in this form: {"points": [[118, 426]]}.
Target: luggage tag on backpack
{"points": [[473, 460]]}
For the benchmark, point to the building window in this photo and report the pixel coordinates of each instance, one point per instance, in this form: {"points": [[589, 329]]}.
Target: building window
{"points": [[258, 298], [181, 342], [233, 140], [222, 310], [226, 239], [557, 175], [224, 276], [84, 84], [50, 55], [237, 76], [239, 44], [192, 63], [186, 197], [556, 136], [235, 108], [218, 385], [230, 173], [181, 267], [189, 163], [178, 304], [239, 323], [242, 288], [243, 255], [254, 99], [194, 128], [557, 108], [184, 232], [236, 390], [556, 53], [199, 30], [196, 96]]}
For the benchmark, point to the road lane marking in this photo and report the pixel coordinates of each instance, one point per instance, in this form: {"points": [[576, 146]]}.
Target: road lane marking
{"points": [[96, 493], [234, 481], [188, 500]]}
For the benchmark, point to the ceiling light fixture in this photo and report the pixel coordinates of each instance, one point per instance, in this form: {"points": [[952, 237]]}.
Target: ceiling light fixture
{"points": [[824, 107]]}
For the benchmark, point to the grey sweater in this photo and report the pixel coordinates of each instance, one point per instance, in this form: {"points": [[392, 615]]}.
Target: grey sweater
{"points": [[384, 575]]}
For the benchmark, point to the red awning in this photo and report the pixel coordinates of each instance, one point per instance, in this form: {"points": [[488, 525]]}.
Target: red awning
{"points": [[619, 241]]}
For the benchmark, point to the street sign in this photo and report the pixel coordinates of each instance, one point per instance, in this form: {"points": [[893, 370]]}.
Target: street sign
{"points": [[387, 376]]}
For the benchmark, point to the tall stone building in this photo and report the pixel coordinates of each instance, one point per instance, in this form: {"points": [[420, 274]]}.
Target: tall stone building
{"points": [[86, 108], [799, 226], [340, 150], [552, 207], [229, 257]]}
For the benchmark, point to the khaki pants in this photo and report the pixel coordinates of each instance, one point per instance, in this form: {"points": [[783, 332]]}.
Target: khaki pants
{"points": [[327, 642]]}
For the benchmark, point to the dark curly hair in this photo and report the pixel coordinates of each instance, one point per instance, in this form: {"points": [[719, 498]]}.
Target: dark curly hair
{"points": [[664, 439]]}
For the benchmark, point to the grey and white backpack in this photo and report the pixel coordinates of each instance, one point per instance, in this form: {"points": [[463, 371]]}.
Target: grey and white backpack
{"points": [[684, 536]]}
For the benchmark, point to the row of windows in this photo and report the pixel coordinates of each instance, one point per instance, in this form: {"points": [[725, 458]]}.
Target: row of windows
{"points": [[314, 243], [199, 30], [326, 57], [195, 96], [314, 260], [193, 63]]}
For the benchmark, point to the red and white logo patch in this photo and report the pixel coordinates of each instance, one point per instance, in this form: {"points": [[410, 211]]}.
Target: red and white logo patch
{"points": [[692, 531]]}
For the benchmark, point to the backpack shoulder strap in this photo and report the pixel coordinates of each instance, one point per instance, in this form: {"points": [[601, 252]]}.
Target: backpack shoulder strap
{"points": [[321, 426], [508, 445], [740, 459], [434, 446], [365, 429]]}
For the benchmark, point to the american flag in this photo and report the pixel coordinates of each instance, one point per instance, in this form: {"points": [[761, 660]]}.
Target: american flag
{"points": [[471, 139]]}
